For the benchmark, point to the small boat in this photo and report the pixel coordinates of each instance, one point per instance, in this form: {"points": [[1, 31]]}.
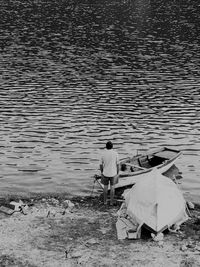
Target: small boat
{"points": [[135, 167], [156, 203]]}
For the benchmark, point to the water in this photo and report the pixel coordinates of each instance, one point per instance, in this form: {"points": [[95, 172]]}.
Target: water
{"points": [[77, 73]]}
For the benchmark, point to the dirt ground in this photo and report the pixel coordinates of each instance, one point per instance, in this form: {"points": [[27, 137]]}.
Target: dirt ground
{"points": [[50, 234]]}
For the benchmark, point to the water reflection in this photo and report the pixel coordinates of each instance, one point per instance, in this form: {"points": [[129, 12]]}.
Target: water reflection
{"points": [[76, 73]]}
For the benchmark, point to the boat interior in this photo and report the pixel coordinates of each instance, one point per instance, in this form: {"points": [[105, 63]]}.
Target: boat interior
{"points": [[145, 162]]}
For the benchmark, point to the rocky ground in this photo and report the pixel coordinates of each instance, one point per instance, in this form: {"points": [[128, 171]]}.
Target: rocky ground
{"points": [[54, 233]]}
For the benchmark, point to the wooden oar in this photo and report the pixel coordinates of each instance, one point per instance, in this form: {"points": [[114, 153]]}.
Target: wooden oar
{"points": [[136, 166]]}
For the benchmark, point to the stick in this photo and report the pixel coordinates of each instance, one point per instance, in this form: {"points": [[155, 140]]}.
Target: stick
{"points": [[136, 166], [99, 183]]}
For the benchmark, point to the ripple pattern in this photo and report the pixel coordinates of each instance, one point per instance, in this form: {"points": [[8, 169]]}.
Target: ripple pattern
{"points": [[77, 73]]}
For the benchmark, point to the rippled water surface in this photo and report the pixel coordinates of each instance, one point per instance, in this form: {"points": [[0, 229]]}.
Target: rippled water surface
{"points": [[74, 74]]}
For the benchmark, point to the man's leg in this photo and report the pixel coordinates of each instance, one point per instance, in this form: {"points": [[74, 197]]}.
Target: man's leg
{"points": [[112, 194], [105, 194], [113, 182]]}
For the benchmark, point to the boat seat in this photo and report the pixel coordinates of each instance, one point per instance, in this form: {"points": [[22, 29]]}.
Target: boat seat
{"points": [[144, 162]]}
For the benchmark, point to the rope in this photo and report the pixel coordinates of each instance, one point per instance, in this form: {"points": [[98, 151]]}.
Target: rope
{"points": [[186, 206]]}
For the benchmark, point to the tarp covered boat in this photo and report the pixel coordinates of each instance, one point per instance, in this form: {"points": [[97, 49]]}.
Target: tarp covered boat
{"points": [[156, 202]]}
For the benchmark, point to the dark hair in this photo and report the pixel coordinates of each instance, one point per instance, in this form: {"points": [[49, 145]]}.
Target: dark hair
{"points": [[109, 145]]}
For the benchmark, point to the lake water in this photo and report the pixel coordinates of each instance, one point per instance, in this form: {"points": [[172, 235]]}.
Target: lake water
{"points": [[74, 74]]}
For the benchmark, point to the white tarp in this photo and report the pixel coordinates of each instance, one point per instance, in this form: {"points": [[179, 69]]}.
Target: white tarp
{"points": [[156, 201]]}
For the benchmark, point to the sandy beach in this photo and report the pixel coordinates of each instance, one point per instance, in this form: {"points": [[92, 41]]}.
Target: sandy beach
{"points": [[51, 233]]}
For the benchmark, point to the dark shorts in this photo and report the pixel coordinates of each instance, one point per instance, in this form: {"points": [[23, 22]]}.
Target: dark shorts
{"points": [[113, 180]]}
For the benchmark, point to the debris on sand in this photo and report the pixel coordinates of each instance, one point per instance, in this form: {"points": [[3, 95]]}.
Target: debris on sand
{"points": [[88, 237]]}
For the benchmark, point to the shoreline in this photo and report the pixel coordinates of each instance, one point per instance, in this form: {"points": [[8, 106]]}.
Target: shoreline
{"points": [[64, 195], [51, 234]]}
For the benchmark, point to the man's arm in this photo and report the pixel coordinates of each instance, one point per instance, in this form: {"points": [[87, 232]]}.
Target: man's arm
{"points": [[101, 165], [117, 164], [117, 168], [101, 168]]}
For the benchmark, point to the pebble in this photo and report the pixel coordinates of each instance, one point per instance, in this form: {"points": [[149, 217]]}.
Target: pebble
{"points": [[25, 209], [161, 243], [190, 205], [158, 237], [103, 231], [68, 204], [92, 241], [197, 248], [184, 247], [190, 245], [76, 254], [83, 259], [51, 213], [54, 201]]}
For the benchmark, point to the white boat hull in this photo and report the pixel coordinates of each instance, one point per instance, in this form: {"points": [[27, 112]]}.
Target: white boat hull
{"points": [[131, 178]]}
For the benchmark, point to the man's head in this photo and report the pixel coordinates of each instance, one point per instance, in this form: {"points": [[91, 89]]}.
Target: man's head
{"points": [[109, 145]]}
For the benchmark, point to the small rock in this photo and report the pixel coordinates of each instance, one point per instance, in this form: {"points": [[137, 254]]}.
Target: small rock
{"points": [[103, 231], [83, 259], [161, 243], [158, 237], [51, 213], [191, 245], [188, 262], [68, 204], [76, 254], [48, 213], [54, 201], [63, 212], [184, 247], [190, 205], [197, 248], [92, 241], [67, 211], [34, 209], [25, 209]]}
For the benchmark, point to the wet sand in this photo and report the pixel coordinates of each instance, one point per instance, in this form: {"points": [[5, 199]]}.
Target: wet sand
{"points": [[51, 235]]}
